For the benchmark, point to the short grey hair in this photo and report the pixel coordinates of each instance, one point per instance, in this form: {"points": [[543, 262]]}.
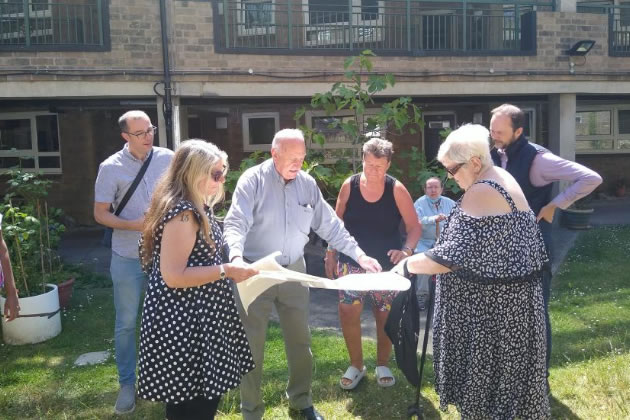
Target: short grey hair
{"points": [[466, 142], [286, 134], [131, 115], [379, 148]]}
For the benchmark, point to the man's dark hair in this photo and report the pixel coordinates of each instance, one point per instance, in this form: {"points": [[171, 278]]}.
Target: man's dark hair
{"points": [[517, 116]]}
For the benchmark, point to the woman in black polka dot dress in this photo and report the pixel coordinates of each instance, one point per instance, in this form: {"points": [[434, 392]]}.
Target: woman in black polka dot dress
{"points": [[193, 347], [489, 327]]}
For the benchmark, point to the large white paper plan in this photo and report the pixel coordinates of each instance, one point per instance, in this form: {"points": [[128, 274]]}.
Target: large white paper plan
{"points": [[272, 273]]}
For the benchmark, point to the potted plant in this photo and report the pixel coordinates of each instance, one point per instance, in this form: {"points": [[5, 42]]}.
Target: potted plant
{"points": [[32, 232], [578, 215]]}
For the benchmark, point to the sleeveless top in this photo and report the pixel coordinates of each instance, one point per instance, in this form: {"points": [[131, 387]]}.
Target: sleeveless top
{"points": [[489, 345], [375, 226], [192, 342]]}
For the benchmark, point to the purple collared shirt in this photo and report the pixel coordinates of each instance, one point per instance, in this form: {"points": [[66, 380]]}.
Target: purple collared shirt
{"points": [[547, 168]]}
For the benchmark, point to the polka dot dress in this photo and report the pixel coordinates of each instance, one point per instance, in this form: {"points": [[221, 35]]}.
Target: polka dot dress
{"points": [[192, 342], [489, 327]]}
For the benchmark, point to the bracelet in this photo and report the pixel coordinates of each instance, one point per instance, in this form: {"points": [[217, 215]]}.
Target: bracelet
{"points": [[330, 251], [405, 252], [409, 248]]}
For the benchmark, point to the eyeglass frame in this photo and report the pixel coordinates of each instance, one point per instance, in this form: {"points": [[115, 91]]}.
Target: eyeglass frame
{"points": [[452, 171], [217, 175], [144, 134]]}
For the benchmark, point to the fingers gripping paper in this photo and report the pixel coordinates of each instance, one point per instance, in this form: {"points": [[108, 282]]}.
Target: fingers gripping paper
{"points": [[272, 273]]}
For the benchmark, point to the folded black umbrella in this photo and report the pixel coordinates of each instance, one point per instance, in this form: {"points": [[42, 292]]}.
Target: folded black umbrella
{"points": [[403, 327]]}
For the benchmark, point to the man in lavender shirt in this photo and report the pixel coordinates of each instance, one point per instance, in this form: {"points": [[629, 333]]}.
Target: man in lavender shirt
{"points": [[535, 169]]}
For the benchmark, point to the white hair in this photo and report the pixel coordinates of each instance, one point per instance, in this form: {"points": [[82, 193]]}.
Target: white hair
{"points": [[466, 142], [286, 134]]}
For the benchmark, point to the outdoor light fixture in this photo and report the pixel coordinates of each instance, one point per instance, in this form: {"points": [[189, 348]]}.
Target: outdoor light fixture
{"points": [[581, 48]]}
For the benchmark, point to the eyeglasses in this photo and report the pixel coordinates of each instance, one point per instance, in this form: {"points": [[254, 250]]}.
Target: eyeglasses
{"points": [[143, 134], [452, 171], [217, 175]]}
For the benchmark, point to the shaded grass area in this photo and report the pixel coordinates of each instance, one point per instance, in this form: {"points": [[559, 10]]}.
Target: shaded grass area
{"points": [[590, 376]]}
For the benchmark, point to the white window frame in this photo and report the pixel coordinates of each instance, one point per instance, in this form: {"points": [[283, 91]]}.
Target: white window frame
{"points": [[355, 20], [259, 30], [615, 136], [39, 14], [247, 146], [33, 152]]}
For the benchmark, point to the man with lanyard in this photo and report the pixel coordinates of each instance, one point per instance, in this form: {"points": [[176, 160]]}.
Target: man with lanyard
{"points": [[116, 175], [535, 169], [274, 207], [432, 209]]}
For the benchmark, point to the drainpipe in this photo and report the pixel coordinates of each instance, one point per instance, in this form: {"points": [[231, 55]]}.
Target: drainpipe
{"points": [[168, 103]]}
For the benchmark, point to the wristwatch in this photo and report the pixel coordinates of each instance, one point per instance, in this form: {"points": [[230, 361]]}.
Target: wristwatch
{"points": [[221, 272]]}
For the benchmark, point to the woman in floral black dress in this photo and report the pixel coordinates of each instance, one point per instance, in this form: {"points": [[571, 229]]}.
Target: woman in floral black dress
{"points": [[489, 328], [193, 347]]}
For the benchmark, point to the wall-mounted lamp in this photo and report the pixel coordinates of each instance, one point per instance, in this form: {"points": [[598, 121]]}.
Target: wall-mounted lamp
{"points": [[581, 48]]}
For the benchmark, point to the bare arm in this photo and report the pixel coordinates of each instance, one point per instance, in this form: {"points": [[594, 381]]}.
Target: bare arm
{"points": [[12, 305], [178, 239], [330, 261], [103, 216], [420, 264], [412, 226]]}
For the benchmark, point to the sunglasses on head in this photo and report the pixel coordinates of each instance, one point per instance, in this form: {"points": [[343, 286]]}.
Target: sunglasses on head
{"points": [[217, 175]]}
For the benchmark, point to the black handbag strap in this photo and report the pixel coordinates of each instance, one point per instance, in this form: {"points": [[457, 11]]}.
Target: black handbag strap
{"points": [[134, 185]]}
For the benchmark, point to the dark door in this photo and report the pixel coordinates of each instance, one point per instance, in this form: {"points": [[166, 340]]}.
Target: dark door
{"points": [[433, 124]]}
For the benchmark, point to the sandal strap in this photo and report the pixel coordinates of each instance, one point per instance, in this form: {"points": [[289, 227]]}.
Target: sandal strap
{"points": [[351, 373]]}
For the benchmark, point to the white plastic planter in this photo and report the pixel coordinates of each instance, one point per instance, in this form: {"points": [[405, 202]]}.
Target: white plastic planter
{"points": [[30, 330]]}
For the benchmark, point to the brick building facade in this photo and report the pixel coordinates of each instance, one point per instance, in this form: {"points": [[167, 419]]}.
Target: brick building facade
{"points": [[232, 70]]}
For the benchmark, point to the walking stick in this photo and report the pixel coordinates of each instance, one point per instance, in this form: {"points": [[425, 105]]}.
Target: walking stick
{"points": [[416, 410]]}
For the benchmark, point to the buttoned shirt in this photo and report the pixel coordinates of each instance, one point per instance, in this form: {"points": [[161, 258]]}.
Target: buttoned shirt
{"points": [[428, 213], [115, 176], [547, 168], [268, 214]]}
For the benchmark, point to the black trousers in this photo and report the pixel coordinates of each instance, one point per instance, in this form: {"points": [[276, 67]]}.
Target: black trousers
{"points": [[198, 409]]}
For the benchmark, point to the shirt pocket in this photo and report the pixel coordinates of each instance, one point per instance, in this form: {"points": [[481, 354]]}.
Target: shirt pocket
{"points": [[303, 217]]}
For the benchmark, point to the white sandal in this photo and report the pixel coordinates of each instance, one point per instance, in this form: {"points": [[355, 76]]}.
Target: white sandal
{"points": [[383, 372], [353, 374]]}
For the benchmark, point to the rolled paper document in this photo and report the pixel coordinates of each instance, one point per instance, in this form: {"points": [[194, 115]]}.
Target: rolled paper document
{"points": [[272, 273]]}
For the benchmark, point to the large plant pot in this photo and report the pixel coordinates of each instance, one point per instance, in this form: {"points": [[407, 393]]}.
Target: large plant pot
{"points": [[65, 293], [576, 218], [30, 330]]}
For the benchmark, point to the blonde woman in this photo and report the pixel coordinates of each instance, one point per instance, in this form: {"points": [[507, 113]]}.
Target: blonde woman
{"points": [[193, 347]]}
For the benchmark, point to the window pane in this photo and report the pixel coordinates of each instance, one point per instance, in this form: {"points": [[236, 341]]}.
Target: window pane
{"points": [[325, 126], [47, 133], [624, 144], [10, 162], [594, 145], [624, 121], [592, 123], [49, 162], [328, 11], [15, 134], [257, 14], [261, 130], [369, 9]]}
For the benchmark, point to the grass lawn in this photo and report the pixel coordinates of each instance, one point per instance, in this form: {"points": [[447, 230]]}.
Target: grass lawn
{"points": [[590, 375]]}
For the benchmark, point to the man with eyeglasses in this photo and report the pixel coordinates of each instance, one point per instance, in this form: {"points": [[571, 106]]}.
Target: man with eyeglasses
{"points": [[115, 176], [535, 169]]}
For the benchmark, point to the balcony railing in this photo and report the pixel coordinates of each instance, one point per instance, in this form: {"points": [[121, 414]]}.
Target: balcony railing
{"points": [[618, 24], [54, 25], [402, 27]]}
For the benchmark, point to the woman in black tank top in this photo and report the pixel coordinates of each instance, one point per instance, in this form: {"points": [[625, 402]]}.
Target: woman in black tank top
{"points": [[372, 204]]}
